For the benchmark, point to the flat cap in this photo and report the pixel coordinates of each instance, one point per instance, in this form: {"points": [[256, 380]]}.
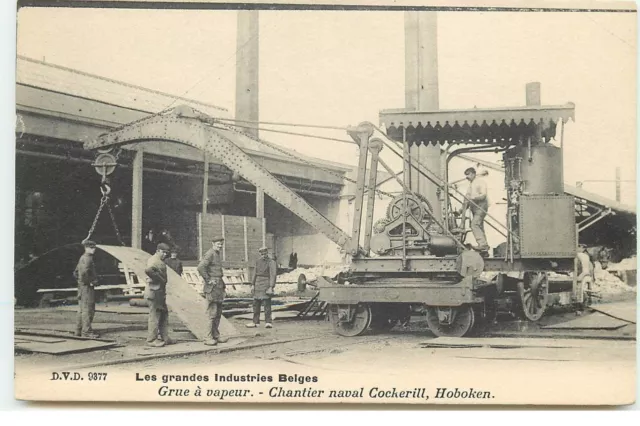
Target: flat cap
{"points": [[164, 247], [89, 243], [263, 249], [216, 238]]}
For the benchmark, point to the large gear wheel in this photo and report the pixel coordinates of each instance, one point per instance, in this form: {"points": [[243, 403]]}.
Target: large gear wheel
{"points": [[396, 207]]}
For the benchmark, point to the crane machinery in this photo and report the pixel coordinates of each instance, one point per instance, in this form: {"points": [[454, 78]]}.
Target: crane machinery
{"points": [[410, 261]]}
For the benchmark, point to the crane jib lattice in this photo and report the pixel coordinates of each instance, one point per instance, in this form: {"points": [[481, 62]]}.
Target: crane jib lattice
{"points": [[189, 127]]}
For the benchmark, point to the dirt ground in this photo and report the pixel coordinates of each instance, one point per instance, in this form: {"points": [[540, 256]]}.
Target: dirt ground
{"points": [[290, 337]]}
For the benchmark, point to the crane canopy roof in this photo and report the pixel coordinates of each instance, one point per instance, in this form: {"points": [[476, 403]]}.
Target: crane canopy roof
{"points": [[502, 126]]}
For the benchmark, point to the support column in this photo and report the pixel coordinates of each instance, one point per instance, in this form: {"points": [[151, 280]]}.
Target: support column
{"points": [[136, 200], [205, 202], [259, 203], [260, 213], [421, 94]]}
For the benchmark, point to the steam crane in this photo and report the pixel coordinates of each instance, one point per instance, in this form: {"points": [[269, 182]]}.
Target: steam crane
{"points": [[414, 263], [410, 261]]}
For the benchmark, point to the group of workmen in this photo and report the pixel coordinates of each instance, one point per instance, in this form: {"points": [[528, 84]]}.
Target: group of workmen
{"points": [[210, 268]]}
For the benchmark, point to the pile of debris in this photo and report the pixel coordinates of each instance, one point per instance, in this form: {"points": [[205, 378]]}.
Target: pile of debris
{"points": [[310, 273], [628, 264], [607, 284]]}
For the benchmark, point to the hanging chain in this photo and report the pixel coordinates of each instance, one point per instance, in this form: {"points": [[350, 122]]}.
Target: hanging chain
{"points": [[103, 201], [115, 225]]}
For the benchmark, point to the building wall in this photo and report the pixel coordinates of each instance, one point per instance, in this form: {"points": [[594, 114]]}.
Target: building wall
{"points": [[295, 235]]}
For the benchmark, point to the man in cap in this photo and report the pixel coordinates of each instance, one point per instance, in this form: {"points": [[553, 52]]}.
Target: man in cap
{"points": [[263, 282], [478, 202], [87, 279], [210, 267], [156, 295]]}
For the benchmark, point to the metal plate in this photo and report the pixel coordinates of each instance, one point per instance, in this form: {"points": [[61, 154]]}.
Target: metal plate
{"points": [[182, 299], [437, 295], [547, 226], [416, 265]]}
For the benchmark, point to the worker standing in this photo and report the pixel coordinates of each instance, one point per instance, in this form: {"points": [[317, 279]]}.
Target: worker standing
{"points": [[150, 242], [478, 202], [210, 267], [173, 262], [87, 279], [156, 295], [585, 275], [263, 283]]}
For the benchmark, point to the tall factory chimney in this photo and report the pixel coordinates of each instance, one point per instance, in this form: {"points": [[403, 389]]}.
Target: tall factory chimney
{"points": [[247, 67], [421, 94], [247, 80]]}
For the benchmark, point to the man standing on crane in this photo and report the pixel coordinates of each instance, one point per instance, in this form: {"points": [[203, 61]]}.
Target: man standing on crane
{"points": [[87, 278], [210, 267], [477, 201]]}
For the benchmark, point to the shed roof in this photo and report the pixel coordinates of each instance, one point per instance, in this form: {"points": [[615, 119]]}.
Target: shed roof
{"points": [[77, 95]]}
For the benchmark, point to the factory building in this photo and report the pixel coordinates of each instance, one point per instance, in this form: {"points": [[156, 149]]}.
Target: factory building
{"points": [[58, 190]]}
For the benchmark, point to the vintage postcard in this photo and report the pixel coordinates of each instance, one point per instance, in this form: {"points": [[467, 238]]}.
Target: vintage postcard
{"points": [[366, 203]]}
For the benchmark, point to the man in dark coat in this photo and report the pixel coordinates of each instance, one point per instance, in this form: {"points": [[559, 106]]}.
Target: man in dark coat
{"points": [[173, 262], [210, 268], [156, 295], [87, 278], [263, 282], [150, 242]]}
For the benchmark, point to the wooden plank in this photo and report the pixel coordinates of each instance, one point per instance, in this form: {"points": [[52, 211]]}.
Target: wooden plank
{"points": [[181, 299], [99, 288], [503, 343], [64, 347], [595, 321], [41, 339], [284, 314], [625, 311]]}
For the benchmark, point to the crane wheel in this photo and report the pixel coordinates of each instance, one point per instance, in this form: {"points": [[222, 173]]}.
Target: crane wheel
{"points": [[451, 321]]}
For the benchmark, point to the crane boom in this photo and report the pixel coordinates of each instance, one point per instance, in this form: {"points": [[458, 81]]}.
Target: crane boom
{"points": [[187, 126]]}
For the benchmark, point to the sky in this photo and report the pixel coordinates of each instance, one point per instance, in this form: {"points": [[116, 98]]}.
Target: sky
{"points": [[342, 68]]}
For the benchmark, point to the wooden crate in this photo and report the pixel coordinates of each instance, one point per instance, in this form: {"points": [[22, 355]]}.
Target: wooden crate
{"points": [[243, 237]]}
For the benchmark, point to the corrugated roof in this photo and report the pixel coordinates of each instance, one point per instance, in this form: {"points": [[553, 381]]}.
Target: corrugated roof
{"points": [[600, 200], [142, 101], [78, 83]]}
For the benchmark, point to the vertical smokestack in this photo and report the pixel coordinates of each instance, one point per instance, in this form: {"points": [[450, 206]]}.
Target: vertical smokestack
{"points": [[421, 61], [421, 94], [247, 68], [618, 191], [534, 94]]}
